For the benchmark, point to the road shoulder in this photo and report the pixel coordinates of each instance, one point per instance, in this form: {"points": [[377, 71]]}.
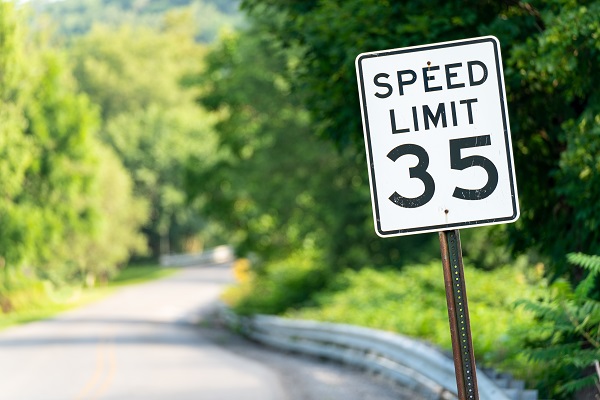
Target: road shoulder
{"points": [[306, 377]]}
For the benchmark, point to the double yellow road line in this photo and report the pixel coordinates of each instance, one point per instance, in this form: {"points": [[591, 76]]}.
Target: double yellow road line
{"points": [[104, 370]]}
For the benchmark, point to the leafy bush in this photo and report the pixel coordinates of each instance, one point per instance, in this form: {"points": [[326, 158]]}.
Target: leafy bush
{"points": [[566, 336], [280, 285], [413, 302], [18, 291]]}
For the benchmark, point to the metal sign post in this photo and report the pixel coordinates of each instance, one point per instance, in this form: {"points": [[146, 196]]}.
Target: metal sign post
{"points": [[439, 153], [458, 315]]}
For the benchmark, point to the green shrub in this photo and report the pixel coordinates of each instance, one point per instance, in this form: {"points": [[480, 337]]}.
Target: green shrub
{"points": [[413, 302], [566, 336], [30, 299], [280, 285]]}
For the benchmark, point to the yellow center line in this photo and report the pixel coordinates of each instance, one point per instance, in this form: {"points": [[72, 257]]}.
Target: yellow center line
{"points": [[110, 373], [104, 370]]}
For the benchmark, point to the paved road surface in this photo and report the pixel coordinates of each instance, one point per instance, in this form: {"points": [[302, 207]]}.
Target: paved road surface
{"points": [[145, 343]]}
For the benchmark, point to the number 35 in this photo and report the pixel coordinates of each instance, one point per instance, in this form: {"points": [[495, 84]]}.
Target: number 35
{"points": [[457, 162]]}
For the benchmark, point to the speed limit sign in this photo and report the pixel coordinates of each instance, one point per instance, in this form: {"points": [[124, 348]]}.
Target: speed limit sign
{"points": [[437, 137]]}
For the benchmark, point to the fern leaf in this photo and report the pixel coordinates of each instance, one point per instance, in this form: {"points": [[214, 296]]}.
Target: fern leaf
{"points": [[555, 352], [591, 263], [585, 287], [579, 384]]}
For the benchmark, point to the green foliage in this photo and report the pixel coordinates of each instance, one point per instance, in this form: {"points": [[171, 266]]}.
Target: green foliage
{"points": [[281, 284], [55, 211], [16, 149], [551, 57], [413, 302], [276, 186], [149, 119], [117, 235], [128, 69], [486, 247], [20, 290], [140, 273], [69, 186], [256, 147], [557, 139], [566, 336], [77, 17]]}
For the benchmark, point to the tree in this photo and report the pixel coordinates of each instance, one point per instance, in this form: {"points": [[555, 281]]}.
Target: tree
{"points": [[551, 70], [16, 149], [262, 139], [149, 118], [285, 194], [566, 337], [52, 206], [77, 17]]}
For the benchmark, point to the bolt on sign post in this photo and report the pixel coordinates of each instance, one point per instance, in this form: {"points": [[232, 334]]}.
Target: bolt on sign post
{"points": [[439, 151]]}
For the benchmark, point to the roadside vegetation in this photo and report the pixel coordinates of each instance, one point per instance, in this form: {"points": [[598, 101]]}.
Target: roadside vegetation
{"points": [[132, 129], [32, 299], [413, 302]]}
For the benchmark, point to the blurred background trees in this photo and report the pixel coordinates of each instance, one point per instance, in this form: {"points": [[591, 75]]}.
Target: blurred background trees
{"points": [[149, 118], [77, 17], [56, 195], [97, 126], [277, 184]]}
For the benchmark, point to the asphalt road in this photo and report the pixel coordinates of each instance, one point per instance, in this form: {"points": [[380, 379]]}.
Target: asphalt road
{"points": [[155, 341]]}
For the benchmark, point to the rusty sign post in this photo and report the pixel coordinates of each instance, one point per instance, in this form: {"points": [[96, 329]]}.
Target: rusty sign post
{"points": [[458, 315], [439, 152]]}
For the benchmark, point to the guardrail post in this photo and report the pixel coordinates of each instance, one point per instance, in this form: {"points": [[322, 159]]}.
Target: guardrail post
{"points": [[458, 315]]}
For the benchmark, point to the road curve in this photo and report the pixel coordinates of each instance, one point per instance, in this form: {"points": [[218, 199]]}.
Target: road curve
{"points": [[144, 343]]}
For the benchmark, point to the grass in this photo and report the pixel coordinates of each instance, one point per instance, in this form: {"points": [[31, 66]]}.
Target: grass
{"points": [[140, 273], [67, 298]]}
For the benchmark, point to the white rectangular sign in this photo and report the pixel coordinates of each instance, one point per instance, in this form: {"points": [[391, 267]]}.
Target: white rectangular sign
{"points": [[437, 137]]}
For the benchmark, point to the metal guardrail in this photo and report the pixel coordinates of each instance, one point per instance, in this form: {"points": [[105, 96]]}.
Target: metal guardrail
{"points": [[407, 361], [218, 255]]}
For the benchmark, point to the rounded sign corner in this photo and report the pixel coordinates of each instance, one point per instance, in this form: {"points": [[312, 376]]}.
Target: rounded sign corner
{"points": [[380, 232], [359, 58], [516, 215], [492, 38]]}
